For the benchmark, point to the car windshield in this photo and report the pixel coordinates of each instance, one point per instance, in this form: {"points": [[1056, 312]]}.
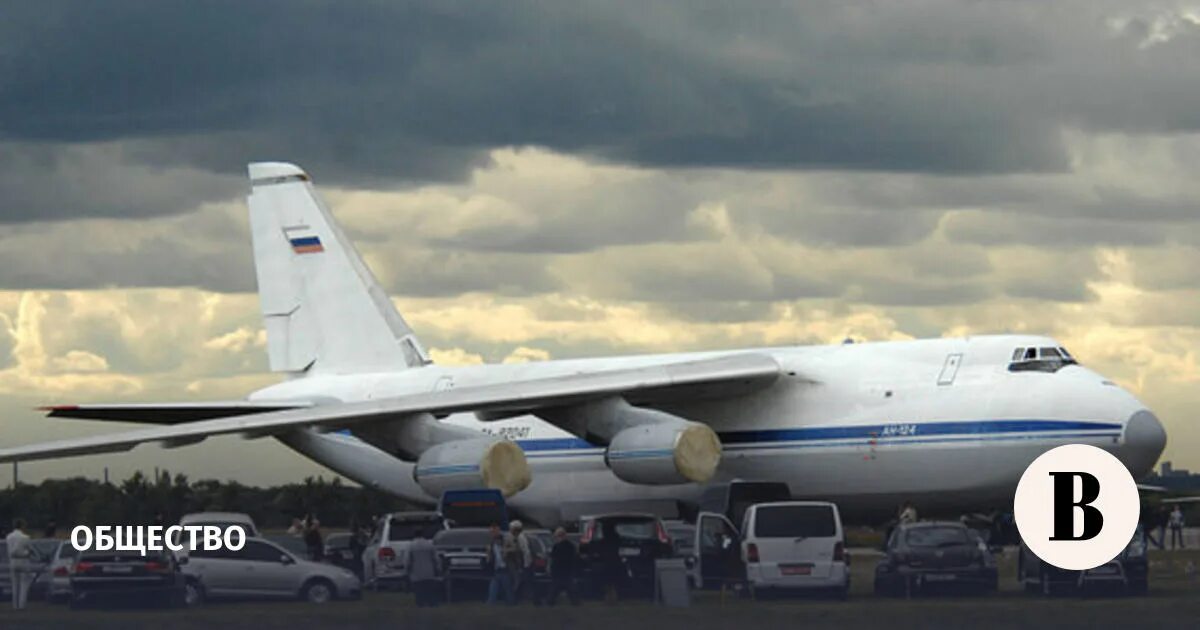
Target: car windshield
{"points": [[795, 521], [401, 530], [629, 528], [936, 536]]}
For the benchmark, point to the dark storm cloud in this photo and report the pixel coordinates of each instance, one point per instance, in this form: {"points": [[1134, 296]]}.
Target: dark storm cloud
{"points": [[414, 90]]}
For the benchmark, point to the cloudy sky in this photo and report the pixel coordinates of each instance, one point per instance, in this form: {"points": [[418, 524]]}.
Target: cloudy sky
{"points": [[545, 180]]}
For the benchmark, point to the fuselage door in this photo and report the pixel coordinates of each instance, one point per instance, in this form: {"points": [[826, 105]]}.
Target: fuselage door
{"points": [[950, 369]]}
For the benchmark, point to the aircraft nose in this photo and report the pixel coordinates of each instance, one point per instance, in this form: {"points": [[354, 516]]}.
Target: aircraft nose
{"points": [[1145, 439]]}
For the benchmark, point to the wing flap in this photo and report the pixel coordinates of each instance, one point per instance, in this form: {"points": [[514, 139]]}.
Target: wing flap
{"points": [[166, 413], [520, 395]]}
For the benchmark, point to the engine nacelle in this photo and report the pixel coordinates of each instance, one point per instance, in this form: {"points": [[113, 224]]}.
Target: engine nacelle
{"points": [[473, 463], [664, 453]]}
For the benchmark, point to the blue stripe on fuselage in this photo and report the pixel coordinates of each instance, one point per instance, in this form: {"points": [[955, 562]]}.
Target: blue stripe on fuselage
{"points": [[897, 433]]}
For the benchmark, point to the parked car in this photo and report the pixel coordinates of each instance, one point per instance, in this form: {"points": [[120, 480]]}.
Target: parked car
{"points": [[59, 589], [384, 556], [926, 555], [42, 551], [463, 552], [1128, 572], [683, 537], [126, 576], [623, 548], [341, 551], [262, 569], [794, 545]]}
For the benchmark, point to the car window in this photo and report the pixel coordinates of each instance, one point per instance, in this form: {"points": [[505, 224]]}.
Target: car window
{"points": [[201, 552], [628, 528], [399, 530], [715, 534], [795, 521], [936, 536], [257, 551]]}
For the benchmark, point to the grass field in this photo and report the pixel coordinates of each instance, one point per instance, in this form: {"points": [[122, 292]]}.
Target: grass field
{"points": [[1173, 602]]}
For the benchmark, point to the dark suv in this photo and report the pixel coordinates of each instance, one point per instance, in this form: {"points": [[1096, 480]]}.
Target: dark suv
{"points": [[923, 556], [620, 550], [1129, 571]]}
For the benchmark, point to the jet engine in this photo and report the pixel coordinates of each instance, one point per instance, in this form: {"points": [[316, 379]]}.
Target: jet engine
{"points": [[668, 453], [450, 457], [486, 462], [645, 446]]}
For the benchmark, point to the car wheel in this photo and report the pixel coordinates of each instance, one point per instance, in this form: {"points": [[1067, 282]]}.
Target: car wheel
{"points": [[317, 592], [193, 594]]}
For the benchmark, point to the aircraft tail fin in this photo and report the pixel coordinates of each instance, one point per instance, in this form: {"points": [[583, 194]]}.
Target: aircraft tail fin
{"points": [[322, 308]]}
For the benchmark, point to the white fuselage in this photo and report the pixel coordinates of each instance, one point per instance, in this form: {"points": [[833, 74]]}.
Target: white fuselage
{"points": [[941, 422]]}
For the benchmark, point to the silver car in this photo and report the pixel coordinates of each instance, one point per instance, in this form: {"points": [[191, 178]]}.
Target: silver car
{"points": [[262, 569]]}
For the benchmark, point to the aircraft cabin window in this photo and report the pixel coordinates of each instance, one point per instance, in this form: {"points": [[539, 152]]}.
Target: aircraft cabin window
{"points": [[1040, 360]]}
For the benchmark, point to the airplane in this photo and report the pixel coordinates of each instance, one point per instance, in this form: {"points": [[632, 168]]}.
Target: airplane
{"points": [[947, 424]]}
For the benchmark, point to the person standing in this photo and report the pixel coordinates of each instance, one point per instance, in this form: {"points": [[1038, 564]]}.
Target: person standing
{"points": [[522, 565], [19, 552], [1176, 523], [423, 571], [313, 539], [501, 583], [564, 560]]}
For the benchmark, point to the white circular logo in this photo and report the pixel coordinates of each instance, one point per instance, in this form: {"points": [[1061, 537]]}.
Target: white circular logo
{"points": [[1076, 507]]}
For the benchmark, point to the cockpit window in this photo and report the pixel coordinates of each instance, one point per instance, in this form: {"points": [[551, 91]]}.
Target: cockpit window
{"points": [[1046, 359]]}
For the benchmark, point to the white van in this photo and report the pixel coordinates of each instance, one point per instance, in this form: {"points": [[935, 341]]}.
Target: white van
{"points": [[795, 545], [781, 545]]}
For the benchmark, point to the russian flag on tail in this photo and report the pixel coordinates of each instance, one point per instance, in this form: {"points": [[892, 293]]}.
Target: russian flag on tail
{"points": [[303, 240], [307, 245]]}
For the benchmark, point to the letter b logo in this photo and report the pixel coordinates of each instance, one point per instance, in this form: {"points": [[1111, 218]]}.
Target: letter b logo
{"points": [[1065, 506], [1076, 507]]}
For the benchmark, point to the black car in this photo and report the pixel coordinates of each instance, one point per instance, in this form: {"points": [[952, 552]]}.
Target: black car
{"points": [[464, 555], [1129, 572], [619, 550], [113, 576], [925, 556]]}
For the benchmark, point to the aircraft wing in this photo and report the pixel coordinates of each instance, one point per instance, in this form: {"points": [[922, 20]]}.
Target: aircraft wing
{"points": [[736, 372]]}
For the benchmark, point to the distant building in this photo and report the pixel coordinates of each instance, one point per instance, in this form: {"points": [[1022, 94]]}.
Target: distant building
{"points": [[1174, 478]]}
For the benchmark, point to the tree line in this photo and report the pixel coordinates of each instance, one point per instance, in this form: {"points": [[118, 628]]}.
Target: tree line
{"points": [[141, 500]]}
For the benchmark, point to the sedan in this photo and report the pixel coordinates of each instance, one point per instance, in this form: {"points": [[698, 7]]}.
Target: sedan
{"points": [[924, 556]]}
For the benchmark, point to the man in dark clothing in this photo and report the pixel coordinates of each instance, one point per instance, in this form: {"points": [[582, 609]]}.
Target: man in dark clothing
{"points": [[313, 539], [564, 559]]}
